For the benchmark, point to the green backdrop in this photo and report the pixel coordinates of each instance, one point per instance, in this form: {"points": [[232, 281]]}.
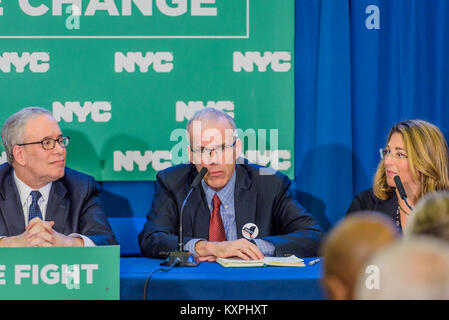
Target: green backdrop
{"points": [[118, 75]]}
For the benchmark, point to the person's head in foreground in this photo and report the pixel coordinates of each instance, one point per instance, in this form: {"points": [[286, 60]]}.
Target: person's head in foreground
{"points": [[431, 216], [415, 268], [347, 248]]}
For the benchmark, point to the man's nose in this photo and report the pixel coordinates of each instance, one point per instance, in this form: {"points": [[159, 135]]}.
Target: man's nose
{"points": [[59, 147], [210, 158], [215, 156]]}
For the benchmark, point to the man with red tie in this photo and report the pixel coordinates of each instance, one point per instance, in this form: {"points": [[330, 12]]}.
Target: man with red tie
{"points": [[239, 210]]}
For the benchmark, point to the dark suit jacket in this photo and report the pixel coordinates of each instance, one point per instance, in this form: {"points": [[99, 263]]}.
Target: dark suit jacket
{"points": [[367, 201], [264, 200], [73, 205]]}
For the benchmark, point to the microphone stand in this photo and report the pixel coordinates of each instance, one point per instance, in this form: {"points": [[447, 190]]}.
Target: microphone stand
{"points": [[183, 258]]}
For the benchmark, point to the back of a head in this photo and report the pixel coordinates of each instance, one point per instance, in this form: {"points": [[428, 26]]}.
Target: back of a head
{"points": [[347, 248], [414, 268], [431, 216]]}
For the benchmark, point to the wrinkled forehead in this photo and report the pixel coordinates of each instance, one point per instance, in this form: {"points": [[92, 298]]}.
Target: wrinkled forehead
{"points": [[42, 126], [215, 132]]}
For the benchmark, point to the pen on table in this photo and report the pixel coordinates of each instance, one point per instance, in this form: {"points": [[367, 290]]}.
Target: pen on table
{"points": [[311, 263]]}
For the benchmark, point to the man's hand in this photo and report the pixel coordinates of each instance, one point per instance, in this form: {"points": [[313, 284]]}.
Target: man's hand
{"points": [[40, 233], [208, 258], [241, 248]]}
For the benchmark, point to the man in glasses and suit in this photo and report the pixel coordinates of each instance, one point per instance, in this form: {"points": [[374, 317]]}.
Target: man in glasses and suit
{"points": [[233, 198], [43, 203]]}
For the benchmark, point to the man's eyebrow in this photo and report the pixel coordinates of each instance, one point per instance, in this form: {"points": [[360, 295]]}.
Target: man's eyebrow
{"points": [[48, 137]]}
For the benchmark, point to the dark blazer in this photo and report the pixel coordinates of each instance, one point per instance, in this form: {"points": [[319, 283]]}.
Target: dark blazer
{"points": [[73, 205], [367, 201], [264, 200]]}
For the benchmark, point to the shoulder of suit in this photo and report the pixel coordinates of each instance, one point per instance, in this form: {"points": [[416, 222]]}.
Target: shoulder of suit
{"points": [[4, 168], [177, 176], [370, 199], [76, 176], [258, 172], [367, 194], [176, 171]]}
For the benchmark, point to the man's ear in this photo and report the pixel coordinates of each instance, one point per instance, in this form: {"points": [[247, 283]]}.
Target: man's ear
{"points": [[238, 148], [189, 152], [19, 155]]}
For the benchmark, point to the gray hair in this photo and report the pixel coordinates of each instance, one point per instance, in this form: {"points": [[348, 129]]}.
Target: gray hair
{"points": [[210, 114], [415, 268], [13, 129]]}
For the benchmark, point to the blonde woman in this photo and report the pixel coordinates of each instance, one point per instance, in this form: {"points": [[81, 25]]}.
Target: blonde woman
{"points": [[417, 152]]}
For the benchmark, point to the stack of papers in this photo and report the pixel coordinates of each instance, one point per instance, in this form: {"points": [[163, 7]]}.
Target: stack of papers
{"points": [[291, 261]]}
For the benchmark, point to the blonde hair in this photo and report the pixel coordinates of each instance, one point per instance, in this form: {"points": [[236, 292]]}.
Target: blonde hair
{"points": [[431, 216], [428, 160]]}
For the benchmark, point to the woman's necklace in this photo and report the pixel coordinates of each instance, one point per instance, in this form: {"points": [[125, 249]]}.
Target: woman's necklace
{"points": [[400, 208]]}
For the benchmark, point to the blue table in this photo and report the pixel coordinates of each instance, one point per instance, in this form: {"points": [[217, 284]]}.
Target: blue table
{"points": [[210, 281]]}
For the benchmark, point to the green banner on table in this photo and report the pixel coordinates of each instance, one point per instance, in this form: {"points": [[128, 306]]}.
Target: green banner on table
{"points": [[60, 273], [123, 76]]}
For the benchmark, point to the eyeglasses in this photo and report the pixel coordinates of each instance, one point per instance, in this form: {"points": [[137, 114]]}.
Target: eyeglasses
{"points": [[384, 153], [218, 150], [49, 143]]}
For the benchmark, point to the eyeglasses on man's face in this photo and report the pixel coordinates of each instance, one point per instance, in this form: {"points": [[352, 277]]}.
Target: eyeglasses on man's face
{"points": [[218, 150], [50, 143], [384, 153]]}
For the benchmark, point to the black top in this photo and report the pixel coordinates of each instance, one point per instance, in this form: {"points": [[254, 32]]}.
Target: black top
{"points": [[366, 200]]}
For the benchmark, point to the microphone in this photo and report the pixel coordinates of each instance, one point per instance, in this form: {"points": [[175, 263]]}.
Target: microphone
{"points": [[401, 190], [198, 179], [183, 258]]}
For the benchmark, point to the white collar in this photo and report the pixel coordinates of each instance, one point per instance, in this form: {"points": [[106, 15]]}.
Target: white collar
{"points": [[25, 190]]}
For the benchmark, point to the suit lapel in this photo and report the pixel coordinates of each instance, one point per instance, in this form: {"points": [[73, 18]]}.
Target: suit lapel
{"points": [[11, 207], [196, 209], [201, 214], [58, 206], [245, 200]]}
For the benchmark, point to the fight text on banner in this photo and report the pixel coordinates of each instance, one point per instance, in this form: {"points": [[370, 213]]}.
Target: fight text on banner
{"points": [[60, 273]]}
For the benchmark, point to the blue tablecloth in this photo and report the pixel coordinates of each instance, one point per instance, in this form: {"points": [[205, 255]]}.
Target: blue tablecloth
{"points": [[210, 281]]}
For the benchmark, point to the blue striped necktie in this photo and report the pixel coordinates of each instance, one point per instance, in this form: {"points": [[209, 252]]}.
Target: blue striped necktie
{"points": [[34, 210]]}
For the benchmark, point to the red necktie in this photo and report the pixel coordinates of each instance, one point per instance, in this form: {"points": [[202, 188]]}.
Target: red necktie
{"points": [[216, 228]]}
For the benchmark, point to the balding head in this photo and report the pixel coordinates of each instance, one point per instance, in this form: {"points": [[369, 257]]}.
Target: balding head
{"points": [[414, 268], [214, 146], [347, 248]]}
